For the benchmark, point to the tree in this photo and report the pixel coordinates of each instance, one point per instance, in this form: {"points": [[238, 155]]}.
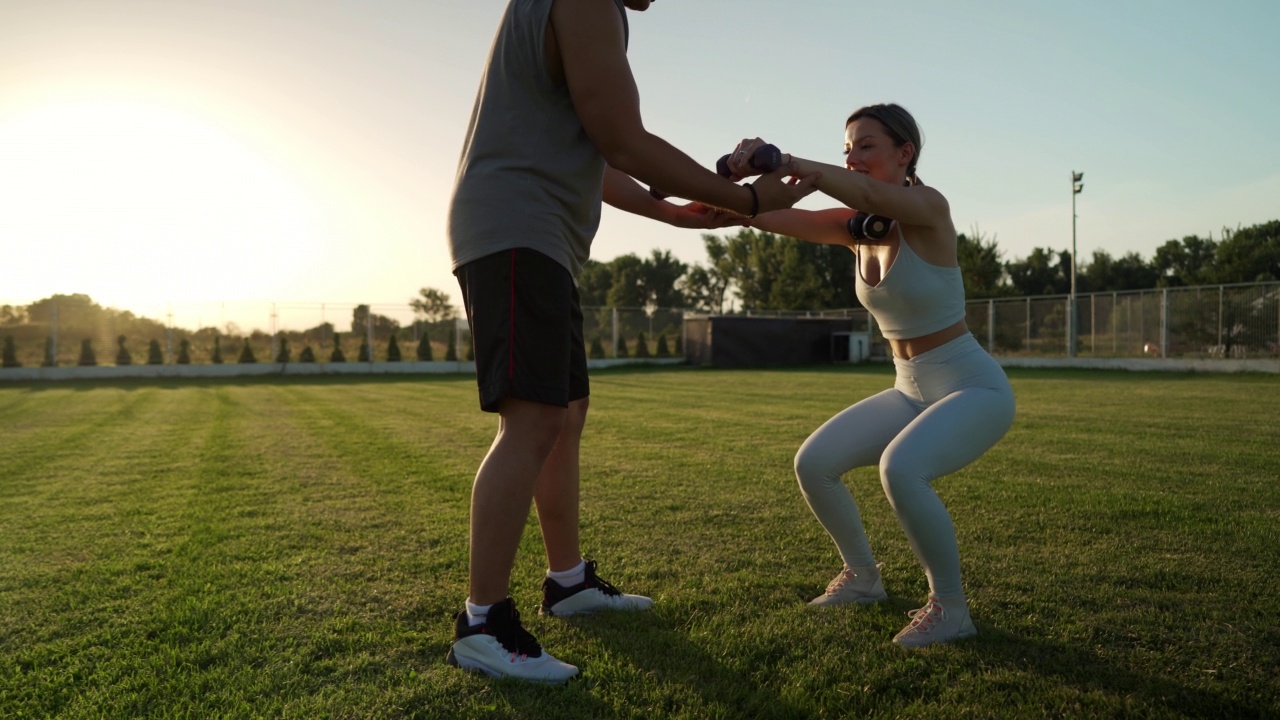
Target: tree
{"points": [[642, 346], [364, 355], [1043, 272], [432, 305], [122, 355], [307, 355], [87, 356], [597, 349], [1189, 262], [663, 349], [980, 265], [594, 283], [424, 348], [184, 352], [393, 350], [216, 358], [9, 356], [621, 349], [1250, 254], [659, 280], [1107, 274], [283, 355], [50, 353], [154, 355], [246, 353], [451, 352], [337, 356]]}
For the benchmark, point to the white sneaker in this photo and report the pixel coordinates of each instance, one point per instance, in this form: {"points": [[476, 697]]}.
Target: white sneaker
{"points": [[500, 647], [589, 596], [933, 624], [849, 587]]}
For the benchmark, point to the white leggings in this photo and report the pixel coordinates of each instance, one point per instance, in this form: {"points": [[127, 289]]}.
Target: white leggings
{"points": [[947, 407]]}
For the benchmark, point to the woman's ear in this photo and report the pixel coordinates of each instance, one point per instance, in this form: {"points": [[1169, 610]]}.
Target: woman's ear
{"points": [[906, 153]]}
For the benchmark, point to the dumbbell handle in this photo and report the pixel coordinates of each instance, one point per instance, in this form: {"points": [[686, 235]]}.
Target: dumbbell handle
{"points": [[766, 158]]}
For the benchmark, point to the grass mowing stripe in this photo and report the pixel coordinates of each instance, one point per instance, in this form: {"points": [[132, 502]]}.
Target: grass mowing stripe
{"points": [[1109, 542]]}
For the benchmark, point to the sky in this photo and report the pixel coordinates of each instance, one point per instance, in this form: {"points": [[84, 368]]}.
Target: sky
{"points": [[172, 156]]}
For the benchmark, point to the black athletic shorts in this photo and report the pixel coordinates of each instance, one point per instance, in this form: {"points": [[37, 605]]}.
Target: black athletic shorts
{"points": [[526, 327]]}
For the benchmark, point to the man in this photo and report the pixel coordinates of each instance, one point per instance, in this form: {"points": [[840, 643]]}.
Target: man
{"points": [[555, 131]]}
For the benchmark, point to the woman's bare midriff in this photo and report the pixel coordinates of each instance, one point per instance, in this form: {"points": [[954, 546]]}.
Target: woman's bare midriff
{"points": [[911, 347]]}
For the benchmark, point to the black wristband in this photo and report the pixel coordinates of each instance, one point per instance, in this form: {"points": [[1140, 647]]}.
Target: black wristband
{"points": [[755, 200]]}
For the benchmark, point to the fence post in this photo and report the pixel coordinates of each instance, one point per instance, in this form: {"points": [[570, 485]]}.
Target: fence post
{"points": [[615, 332], [1093, 323], [991, 326], [1027, 346], [1114, 315], [1220, 291], [1164, 323]]}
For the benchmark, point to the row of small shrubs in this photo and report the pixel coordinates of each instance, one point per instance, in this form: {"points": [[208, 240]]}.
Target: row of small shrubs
{"points": [[155, 355], [642, 348]]}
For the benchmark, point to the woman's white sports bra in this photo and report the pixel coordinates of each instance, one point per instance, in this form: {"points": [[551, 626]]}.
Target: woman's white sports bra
{"points": [[913, 298]]}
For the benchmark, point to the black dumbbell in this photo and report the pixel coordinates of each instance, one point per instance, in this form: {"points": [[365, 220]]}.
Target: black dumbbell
{"points": [[865, 226]]}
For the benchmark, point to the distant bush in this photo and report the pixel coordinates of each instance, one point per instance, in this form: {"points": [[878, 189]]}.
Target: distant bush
{"points": [[393, 350], [642, 346], [336, 355], [217, 350], [283, 355], [597, 349], [50, 353], [663, 350], [679, 349], [364, 352], [246, 353], [154, 356], [9, 357], [87, 356], [306, 356], [424, 348], [184, 352], [451, 352], [122, 355], [622, 347]]}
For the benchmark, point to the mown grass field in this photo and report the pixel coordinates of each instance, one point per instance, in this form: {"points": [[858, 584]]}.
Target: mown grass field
{"points": [[296, 548]]}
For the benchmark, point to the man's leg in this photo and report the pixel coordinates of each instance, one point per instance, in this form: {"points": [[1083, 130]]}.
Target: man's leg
{"points": [[556, 492], [503, 491]]}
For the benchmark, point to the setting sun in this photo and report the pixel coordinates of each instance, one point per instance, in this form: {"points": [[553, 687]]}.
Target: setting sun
{"points": [[169, 206]]}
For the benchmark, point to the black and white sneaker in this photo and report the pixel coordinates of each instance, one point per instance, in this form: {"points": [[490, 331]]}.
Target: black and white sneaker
{"points": [[500, 647], [591, 595]]}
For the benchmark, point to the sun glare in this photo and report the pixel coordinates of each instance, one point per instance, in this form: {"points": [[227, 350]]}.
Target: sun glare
{"points": [[144, 204]]}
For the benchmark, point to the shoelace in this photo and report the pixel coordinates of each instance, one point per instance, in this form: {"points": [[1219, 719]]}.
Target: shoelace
{"points": [[525, 644], [600, 583], [846, 575], [926, 617]]}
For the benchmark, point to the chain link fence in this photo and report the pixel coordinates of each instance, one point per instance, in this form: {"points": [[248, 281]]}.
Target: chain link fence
{"points": [[1219, 321]]}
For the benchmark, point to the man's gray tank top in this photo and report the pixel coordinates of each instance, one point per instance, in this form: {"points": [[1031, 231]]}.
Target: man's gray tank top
{"points": [[529, 176]]}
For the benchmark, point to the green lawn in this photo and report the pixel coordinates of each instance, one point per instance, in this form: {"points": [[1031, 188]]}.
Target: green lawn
{"points": [[296, 548]]}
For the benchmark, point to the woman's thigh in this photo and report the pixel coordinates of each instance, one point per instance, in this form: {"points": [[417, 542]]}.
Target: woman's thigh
{"points": [[857, 435]]}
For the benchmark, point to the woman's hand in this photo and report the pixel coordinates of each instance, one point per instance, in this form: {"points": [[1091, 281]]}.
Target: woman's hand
{"points": [[696, 216]]}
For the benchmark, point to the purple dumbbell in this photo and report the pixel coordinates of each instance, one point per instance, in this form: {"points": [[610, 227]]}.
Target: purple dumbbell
{"points": [[766, 158]]}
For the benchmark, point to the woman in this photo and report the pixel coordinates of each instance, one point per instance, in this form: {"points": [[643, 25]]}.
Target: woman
{"points": [[950, 402]]}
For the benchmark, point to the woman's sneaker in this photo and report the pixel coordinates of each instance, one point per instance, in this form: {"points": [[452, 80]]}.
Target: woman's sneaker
{"points": [[934, 624], [500, 647], [591, 595], [849, 587]]}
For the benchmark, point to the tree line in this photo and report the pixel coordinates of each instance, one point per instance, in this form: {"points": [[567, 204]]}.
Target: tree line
{"points": [[757, 271]]}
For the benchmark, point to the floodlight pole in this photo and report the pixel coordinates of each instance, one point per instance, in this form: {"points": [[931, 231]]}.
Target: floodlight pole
{"points": [[1072, 312]]}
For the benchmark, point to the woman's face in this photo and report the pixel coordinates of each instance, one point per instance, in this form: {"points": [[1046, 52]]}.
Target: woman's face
{"points": [[868, 149]]}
